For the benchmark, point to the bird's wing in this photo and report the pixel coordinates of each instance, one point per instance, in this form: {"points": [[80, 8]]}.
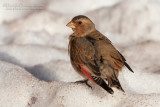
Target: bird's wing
{"points": [[105, 50], [82, 52], [109, 60]]}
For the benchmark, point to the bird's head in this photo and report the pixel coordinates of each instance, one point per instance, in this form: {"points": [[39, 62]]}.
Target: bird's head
{"points": [[81, 25]]}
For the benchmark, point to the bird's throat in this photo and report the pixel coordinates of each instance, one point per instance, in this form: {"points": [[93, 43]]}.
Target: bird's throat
{"points": [[82, 33]]}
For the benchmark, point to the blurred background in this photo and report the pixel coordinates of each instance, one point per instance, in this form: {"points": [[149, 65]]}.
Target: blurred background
{"points": [[33, 33]]}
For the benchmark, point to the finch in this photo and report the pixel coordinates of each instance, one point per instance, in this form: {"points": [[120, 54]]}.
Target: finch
{"points": [[93, 56]]}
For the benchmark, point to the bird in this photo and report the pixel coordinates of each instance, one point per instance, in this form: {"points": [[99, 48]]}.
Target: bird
{"points": [[93, 55]]}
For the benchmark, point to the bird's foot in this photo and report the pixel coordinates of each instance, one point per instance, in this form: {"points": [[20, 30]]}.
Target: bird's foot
{"points": [[84, 81]]}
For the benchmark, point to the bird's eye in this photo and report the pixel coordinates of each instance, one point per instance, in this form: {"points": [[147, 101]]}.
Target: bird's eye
{"points": [[79, 22]]}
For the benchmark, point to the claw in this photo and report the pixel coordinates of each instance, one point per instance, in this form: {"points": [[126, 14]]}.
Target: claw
{"points": [[84, 81]]}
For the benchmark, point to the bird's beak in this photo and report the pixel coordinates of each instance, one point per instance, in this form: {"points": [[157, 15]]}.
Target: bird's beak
{"points": [[71, 25]]}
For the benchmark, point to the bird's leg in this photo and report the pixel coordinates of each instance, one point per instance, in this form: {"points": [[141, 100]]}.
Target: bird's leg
{"points": [[84, 81]]}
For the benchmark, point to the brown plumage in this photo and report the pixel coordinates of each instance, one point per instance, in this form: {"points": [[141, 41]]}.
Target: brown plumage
{"points": [[93, 56]]}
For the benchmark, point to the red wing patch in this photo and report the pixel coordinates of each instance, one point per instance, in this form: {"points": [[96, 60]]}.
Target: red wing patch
{"points": [[85, 72]]}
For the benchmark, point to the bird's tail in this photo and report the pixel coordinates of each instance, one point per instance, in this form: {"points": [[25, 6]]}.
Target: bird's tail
{"points": [[114, 82], [102, 83], [128, 67]]}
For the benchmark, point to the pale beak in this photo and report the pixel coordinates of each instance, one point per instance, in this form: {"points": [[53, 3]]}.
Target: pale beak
{"points": [[71, 25]]}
